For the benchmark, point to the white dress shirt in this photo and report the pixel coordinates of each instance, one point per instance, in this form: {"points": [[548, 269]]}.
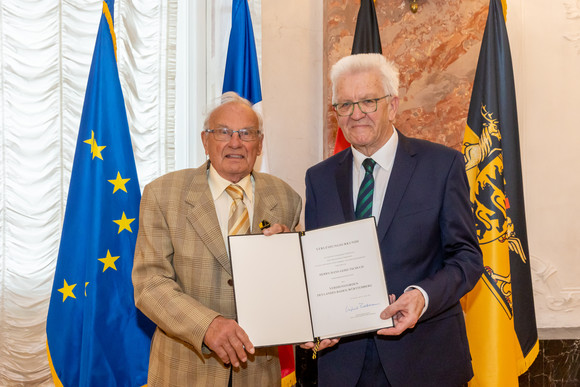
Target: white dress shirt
{"points": [[223, 201], [385, 158]]}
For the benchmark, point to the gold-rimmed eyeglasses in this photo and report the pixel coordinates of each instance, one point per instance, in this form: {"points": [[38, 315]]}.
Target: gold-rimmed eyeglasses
{"points": [[366, 106], [225, 134]]}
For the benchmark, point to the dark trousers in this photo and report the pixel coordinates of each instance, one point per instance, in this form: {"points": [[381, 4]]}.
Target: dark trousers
{"points": [[373, 374]]}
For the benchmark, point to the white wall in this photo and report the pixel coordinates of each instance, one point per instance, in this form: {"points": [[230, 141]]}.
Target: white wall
{"points": [[545, 45], [292, 87]]}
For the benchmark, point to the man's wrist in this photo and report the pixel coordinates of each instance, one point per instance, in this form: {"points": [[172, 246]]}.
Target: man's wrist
{"points": [[425, 297]]}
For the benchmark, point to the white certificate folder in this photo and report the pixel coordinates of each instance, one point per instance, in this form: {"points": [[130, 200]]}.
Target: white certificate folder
{"points": [[296, 287]]}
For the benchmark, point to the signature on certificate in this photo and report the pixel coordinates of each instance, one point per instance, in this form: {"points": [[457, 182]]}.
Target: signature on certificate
{"points": [[359, 306]]}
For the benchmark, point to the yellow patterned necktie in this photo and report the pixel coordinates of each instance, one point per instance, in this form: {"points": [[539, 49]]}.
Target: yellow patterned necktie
{"points": [[239, 220]]}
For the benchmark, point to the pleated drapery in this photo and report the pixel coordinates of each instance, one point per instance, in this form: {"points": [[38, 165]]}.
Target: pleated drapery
{"points": [[45, 53]]}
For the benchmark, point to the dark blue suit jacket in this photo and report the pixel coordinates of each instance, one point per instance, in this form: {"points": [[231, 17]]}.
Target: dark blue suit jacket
{"points": [[427, 237]]}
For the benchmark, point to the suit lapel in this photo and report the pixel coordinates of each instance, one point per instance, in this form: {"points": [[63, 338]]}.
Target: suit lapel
{"points": [[403, 168], [203, 217], [344, 185]]}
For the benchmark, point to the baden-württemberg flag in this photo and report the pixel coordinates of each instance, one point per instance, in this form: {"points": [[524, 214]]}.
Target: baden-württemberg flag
{"points": [[501, 324], [95, 335]]}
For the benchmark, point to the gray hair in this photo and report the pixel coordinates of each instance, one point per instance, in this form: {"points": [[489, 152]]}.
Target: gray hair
{"points": [[357, 63], [229, 97]]}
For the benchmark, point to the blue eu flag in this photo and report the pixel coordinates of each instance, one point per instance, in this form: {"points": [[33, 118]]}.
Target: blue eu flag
{"points": [[95, 334]]}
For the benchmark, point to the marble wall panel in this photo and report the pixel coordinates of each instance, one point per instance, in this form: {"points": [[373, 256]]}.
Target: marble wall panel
{"points": [[557, 364], [436, 50]]}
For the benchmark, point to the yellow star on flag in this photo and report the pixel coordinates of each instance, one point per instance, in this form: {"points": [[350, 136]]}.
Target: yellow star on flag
{"points": [[67, 291], [119, 183], [109, 261], [86, 284], [95, 149], [124, 223]]}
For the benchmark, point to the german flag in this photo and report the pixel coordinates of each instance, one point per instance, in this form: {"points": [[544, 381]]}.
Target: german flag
{"points": [[367, 40], [500, 317]]}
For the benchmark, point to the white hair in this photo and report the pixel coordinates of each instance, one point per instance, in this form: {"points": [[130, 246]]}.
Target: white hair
{"points": [[358, 63], [232, 97]]}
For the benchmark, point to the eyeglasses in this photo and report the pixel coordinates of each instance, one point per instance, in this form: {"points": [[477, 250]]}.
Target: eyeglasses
{"points": [[366, 106], [225, 134]]}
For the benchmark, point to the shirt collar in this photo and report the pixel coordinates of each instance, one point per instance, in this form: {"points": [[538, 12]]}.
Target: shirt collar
{"points": [[384, 157], [218, 184]]}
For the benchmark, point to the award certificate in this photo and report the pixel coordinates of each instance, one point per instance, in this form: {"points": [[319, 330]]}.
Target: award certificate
{"points": [[295, 287]]}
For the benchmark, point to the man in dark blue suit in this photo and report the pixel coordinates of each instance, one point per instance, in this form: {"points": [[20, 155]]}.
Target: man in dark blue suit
{"points": [[419, 194]]}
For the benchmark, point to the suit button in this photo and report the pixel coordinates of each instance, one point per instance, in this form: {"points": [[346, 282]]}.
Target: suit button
{"points": [[231, 282]]}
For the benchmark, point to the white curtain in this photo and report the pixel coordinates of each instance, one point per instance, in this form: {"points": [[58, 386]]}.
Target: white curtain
{"points": [[45, 53]]}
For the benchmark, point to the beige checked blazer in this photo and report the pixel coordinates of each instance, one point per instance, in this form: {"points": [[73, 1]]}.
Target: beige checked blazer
{"points": [[182, 277]]}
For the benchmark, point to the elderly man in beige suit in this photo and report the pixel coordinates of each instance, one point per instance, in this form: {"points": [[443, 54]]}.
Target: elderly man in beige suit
{"points": [[182, 274]]}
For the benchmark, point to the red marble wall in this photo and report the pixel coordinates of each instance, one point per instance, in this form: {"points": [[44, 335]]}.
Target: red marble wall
{"points": [[436, 50]]}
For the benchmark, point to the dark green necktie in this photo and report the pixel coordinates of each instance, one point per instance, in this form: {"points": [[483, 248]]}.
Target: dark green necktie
{"points": [[364, 201]]}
